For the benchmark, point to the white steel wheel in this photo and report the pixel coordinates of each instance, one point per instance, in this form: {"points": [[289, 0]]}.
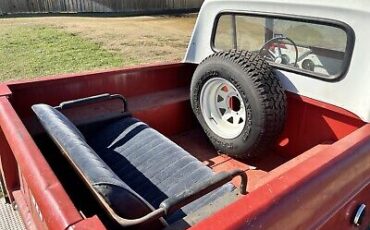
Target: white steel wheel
{"points": [[238, 102], [223, 108]]}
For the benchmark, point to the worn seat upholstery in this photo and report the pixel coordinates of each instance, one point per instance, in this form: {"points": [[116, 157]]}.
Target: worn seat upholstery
{"points": [[132, 166]]}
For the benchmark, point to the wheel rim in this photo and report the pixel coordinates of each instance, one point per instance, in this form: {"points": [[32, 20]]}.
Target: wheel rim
{"points": [[222, 108]]}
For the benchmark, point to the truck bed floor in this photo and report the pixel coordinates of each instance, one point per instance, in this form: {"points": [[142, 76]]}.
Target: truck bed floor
{"points": [[196, 143]]}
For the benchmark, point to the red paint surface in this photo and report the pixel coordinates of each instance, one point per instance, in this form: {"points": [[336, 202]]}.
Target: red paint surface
{"points": [[24, 210], [310, 122], [130, 82], [346, 213], [333, 150], [304, 196], [8, 167], [43, 184]]}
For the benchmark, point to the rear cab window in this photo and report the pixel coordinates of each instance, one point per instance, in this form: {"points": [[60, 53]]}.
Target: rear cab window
{"points": [[315, 48]]}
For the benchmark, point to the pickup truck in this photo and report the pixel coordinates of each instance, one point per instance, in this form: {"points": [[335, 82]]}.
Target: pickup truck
{"points": [[272, 97]]}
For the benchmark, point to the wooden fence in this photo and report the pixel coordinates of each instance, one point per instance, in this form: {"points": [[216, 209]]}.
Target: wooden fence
{"points": [[93, 6]]}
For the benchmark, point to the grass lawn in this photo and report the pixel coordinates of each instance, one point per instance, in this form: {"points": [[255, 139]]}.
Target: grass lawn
{"points": [[34, 47], [29, 51]]}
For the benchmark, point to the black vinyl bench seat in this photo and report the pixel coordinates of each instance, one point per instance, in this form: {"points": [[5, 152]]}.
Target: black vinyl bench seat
{"points": [[132, 167]]}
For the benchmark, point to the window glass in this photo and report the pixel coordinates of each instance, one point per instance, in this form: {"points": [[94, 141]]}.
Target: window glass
{"points": [[307, 46], [250, 31], [308, 34], [224, 31]]}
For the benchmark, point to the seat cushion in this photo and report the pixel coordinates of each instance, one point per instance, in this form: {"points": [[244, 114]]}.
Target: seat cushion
{"points": [[122, 199], [132, 166], [151, 164]]}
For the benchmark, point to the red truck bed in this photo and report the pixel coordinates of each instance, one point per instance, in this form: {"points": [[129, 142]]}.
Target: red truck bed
{"points": [[315, 175]]}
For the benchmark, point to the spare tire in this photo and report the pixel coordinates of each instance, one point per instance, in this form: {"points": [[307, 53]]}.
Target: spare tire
{"points": [[239, 102]]}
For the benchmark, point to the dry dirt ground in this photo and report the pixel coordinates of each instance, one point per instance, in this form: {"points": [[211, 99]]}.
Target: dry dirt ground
{"points": [[139, 39]]}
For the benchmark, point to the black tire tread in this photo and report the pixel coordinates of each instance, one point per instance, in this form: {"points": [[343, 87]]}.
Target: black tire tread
{"points": [[271, 95]]}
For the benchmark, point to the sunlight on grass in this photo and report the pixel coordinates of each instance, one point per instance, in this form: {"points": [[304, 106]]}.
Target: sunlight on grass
{"points": [[29, 51]]}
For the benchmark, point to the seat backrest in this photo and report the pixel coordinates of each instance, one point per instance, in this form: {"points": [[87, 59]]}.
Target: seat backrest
{"points": [[98, 175]]}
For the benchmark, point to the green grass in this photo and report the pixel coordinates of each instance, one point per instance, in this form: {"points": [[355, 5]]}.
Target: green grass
{"points": [[29, 51]]}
